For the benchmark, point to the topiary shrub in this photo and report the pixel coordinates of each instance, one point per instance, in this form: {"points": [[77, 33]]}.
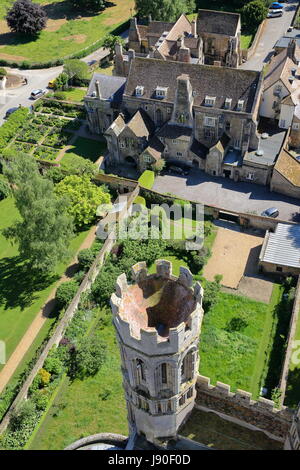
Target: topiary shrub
{"points": [[65, 293]]}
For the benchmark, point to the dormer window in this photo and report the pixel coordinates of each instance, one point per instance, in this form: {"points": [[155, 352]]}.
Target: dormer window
{"points": [[227, 104], [240, 105], [160, 92], [139, 90], [210, 100]]}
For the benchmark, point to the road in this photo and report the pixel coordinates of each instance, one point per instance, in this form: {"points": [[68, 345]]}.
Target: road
{"points": [[227, 194], [38, 79], [274, 29]]}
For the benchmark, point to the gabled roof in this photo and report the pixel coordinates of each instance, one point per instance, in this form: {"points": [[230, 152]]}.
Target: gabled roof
{"points": [[141, 124], [111, 87], [279, 69], [155, 148], [288, 167], [199, 149], [217, 22], [172, 131], [222, 82]]}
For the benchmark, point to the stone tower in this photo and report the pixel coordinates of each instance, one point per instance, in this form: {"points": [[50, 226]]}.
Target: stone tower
{"points": [[158, 319], [292, 441]]}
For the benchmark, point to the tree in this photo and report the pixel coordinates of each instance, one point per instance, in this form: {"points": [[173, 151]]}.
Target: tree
{"points": [[3, 73], [45, 229], [253, 14], [91, 5], [76, 69], [65, 293], [84, 197], [158, 166], [62, 81], [26, 17], [5, 190], [88, 357], [110, 41], [163, 10], [211, 293]]}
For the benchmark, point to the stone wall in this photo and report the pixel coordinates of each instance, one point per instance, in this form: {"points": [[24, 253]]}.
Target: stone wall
{"points": [[282, 186], [260, 414]]}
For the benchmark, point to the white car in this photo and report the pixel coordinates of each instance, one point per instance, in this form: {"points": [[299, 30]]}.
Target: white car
{"points": [[275, 13], [35, 94]]}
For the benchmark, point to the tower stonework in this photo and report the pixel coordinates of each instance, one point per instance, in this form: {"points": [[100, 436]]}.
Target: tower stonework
{"points": [[158, 320]]}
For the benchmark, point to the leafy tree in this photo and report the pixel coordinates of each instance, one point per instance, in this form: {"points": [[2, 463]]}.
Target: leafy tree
{"points": [[88, 357], [211, 293], [3, 72], [158, 166], [91, 5], [86, 258], [84, 197], [5, 190], [53, 363], [76, 165], [21, 414], [253, 14], [65, 293], [45, 229], [62, 81], [26, 17], [163, 10], [76, 69], [237, 323], [110, 41]]}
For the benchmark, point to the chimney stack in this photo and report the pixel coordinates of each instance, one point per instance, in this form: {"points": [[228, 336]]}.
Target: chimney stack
{"points": [[194, 29], [98, 91]]}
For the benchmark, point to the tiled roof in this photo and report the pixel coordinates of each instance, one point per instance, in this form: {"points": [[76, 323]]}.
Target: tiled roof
{"points": [[141, 124], [222, 82], [155, 148], [279, 69], [288, 167], [218, 22], [111, 87]]}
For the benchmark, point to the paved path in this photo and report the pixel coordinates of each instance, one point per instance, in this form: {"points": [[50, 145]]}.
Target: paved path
{"points": [[227, 194], [274, 29], [33, 330]]}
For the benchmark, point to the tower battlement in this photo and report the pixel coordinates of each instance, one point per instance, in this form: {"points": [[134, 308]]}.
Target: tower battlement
{"points": [[158, 313]]}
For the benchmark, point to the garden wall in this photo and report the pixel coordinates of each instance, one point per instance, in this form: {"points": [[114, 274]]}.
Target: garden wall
{"points": [[248, 53], [291, 334], [240, 406], [69, 313]]}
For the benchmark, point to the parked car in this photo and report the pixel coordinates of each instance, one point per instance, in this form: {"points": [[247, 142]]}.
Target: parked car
{"points": [[35, 94], [51, 84], [9, 112], [271, 212], [276, 6], [177, 169], [275, 13]]}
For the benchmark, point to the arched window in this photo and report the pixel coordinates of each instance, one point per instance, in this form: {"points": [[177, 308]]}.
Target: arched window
{"points": [[140, 367], [164, 377], [187, 367]]}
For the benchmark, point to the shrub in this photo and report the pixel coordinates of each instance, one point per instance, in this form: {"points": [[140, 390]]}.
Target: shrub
{"points": [[21, 414], [86, 258], [45, 377], [53, 362], [253, 14], [5, 190], [211, 294], [65, 293], [146, 180], [60, 95], [3, 73], [9, 129], [88, 357]]}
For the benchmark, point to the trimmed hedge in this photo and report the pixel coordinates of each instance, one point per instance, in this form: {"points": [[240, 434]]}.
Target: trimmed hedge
{"points": [[9, 129], [146, 180]]}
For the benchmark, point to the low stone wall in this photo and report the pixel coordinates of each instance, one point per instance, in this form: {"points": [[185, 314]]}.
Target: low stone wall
{"points": [[239, 405], [288, 354], [116, 182], [69, 313], [105, 438]]}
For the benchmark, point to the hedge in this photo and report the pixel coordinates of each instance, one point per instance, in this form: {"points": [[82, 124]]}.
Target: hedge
{"points": [[146, 180], [9, 129]]}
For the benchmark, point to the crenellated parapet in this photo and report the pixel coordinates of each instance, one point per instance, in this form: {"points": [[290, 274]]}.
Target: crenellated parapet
{"points": [[158, 313], [240, 405]]}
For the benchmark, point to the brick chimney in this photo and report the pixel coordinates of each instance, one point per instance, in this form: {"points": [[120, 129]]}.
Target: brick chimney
{"points": [[194, 29]]}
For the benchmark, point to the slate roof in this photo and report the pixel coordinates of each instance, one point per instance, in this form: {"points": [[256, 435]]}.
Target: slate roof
{"points": [[171, 131], [279, 69], [222, 82], [199, 149], [283, 246], [288, 167], [141, 124], [111, 87], [217, 22], [155, 148]]}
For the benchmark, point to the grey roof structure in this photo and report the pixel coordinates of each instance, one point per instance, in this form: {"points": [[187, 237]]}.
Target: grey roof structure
{"points": [[283, 246], [217, 22], [111, 87], [221, 82], [271, 148]]}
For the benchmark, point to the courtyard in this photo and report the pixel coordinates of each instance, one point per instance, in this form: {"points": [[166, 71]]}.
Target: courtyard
{"points": [[227, 194]]}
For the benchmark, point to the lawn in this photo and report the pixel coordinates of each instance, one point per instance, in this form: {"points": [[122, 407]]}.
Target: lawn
{"points": [[21, 294], [86, 148], [83, 407], [241, 358], [67, 32], [75, 94]]}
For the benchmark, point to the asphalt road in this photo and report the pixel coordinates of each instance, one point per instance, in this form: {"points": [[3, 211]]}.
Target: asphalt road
{"points": [[228, 195], [275, 28]]}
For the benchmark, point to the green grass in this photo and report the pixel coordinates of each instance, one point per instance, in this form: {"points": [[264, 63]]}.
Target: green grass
{"points": [[146, 180], [83, 407], [75, 94], [240, 358], [86, 148], [246, 40], [63, 37], [22, 295]]}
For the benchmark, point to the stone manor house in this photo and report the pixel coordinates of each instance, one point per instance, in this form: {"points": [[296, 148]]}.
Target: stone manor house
{"points": [[178, 95]]}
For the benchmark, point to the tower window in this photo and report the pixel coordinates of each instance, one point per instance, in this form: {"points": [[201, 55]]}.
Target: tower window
{"points": [[140, 368], [164, 373]]}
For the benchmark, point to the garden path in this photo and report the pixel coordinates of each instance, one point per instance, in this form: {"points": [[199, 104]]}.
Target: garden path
{"points": [[33, 330]]}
